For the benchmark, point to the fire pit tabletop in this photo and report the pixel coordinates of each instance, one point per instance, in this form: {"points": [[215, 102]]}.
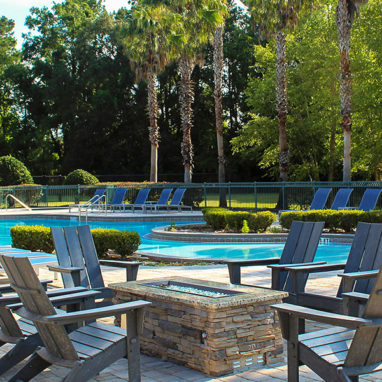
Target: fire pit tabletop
{"points": [[237, 295]]}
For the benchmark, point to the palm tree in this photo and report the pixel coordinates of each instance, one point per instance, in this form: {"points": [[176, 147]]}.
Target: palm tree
{"points": [[147, 42], [346, 10], [275, 17]]}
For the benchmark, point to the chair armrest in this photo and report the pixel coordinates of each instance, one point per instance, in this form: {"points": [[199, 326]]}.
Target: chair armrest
{"points": [[324, 317], [315, 268], [6, 288], [66, 299], [84, 315], [248, 263], [361, 297], [286, 266], [119, 264], [359, 275], [57, 268]]}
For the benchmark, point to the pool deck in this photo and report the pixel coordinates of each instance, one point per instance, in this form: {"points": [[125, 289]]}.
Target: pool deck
{"points": [[156, 370]]}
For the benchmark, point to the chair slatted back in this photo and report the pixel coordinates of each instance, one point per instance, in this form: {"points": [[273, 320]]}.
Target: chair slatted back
{"points": [[33, 296], [142, 196], [341, 199], [366, 347], [8, 324], [75, 247], [63, 255], [177, 197], [90, 257], [119, 196], [164, 197], [300, 247], [320, 198], [369, 199], [365, 254]]}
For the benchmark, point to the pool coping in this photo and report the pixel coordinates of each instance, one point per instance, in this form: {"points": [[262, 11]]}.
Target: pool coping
{"points": [[160, 233]]}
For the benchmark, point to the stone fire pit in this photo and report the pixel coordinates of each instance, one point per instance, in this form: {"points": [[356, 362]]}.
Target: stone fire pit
{"points": [[212, 327]]}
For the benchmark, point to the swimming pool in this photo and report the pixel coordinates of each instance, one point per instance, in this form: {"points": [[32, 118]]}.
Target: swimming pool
{"points": [[331, 253]]}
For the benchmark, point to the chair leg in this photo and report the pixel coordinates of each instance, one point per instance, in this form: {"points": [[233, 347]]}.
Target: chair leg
{"points": [[33, 367], [293, 358], [22, 349]]}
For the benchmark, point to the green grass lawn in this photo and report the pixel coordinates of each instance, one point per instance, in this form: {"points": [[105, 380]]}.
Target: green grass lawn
{"points": [[243, 200]]}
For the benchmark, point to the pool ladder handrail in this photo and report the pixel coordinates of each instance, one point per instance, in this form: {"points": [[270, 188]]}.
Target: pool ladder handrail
{"points": [[94, 202], [16, 200]]}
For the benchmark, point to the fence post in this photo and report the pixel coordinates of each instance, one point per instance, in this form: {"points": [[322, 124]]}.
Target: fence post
{"points": [[283, 195], [78, 194], [46, 192], [205, 194], [229, 195], [255, 191]]}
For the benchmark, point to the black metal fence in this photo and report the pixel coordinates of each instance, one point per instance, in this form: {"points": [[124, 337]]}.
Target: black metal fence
{"points": [[241, 196]]}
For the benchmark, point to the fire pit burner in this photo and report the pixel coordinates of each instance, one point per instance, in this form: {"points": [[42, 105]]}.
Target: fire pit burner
{"points": [[199, 290]]}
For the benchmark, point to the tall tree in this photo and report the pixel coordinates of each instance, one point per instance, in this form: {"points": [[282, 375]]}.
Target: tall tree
{"points": [[275, 17], [346, 10]]}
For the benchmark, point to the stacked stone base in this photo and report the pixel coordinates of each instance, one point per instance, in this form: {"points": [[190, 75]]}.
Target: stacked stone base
{"points": [[216, 342]]}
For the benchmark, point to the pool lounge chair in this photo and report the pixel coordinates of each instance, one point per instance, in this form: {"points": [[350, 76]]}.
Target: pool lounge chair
{"points": [[117, 201], [341, 199], [369, 200], [162, 201], [348, 347], [94, 200], [139, 201], [85, 351], [176, 200]]}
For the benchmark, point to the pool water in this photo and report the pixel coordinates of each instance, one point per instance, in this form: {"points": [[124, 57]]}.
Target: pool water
{"points": [[332, 253]]}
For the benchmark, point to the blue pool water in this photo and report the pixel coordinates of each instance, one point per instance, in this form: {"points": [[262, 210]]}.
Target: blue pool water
{"points": [[331, 253]]}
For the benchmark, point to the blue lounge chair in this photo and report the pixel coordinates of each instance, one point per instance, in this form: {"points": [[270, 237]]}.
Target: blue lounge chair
{"points": [[177, 199], [320, 198], [94, 200], [140, 200], [117, 201], [369, 199], [162, 201], [341, 199]]}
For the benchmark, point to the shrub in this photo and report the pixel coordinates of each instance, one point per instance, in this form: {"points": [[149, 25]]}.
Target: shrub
{"points": [[34, 238], [80, 177], [13, 172], [219, 218], [39, 238], [345, 220], [245, 228]]}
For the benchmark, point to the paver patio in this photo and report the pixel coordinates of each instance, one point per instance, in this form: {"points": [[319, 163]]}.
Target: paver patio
{"points": [[156, 370]]}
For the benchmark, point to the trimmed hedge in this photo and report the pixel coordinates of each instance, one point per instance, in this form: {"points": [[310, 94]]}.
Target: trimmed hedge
{"points": [[80, 176], [221, 218], [39, 238], [13, 172], [346, 220]]}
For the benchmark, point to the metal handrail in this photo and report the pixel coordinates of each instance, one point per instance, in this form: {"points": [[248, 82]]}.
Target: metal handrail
{"points": [[86, 207], [16, 200]]}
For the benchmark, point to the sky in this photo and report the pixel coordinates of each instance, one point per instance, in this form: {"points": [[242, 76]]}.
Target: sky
{"points": [[18, 10]]}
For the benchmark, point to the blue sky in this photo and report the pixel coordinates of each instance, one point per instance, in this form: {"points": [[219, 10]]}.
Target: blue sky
{"points": [[18, 10]]}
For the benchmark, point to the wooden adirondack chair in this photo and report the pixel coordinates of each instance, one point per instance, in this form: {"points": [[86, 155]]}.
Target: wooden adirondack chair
{"points": [[351, 347], [23, 333], [300, 248], [360, 270], [88, 349], [79, 263]]}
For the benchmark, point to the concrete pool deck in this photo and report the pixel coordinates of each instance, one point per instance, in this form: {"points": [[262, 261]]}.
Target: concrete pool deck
{"points": [[156, 370]]}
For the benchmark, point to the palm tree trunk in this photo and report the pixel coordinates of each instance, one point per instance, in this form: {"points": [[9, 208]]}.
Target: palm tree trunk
{"points": [[281, 104], [218, 92], [186, 98], [344, 24], [152, 106]]}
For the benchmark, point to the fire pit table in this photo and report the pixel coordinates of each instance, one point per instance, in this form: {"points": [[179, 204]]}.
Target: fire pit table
{"points": [[209, 326]]}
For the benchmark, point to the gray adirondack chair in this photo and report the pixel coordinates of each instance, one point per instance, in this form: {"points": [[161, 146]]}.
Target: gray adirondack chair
{"points": [[23, 333], [79, 263], [300, 248], [360, 270], [86, 350], [349, 348]]}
